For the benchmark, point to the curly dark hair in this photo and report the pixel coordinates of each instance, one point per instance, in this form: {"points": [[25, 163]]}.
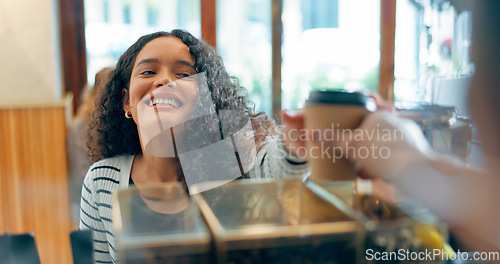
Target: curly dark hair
{"points": [[111, 134]]}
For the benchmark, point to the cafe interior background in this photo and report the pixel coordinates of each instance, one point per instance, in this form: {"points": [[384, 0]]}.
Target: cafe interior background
{"points": [[411, 52]]}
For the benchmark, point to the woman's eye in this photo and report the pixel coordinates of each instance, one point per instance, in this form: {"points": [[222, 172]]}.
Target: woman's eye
{"points": [[183, 75], [147, 73]]}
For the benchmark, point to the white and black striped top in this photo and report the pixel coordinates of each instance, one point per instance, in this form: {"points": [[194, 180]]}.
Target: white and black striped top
{"points": [[111, 174]]}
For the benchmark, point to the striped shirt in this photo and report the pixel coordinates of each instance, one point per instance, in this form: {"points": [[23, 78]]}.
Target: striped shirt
{"points": [[111, 174]]}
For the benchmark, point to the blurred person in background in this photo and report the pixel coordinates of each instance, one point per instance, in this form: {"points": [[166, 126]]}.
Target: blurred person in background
{"points": [[79, 160]]}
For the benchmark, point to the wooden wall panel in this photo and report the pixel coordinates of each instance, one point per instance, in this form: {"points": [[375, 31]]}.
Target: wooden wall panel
{"points": [[33, 179]]}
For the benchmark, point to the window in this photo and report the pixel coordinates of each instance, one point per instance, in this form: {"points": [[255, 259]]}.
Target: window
{"points": [[127, 13], [112, 26], [244, 43], [319, 14], [326, 44], [321, 49], [432, 44], [105, 10], [329, 45], [432, 66], [410, 39], [152, 13]]}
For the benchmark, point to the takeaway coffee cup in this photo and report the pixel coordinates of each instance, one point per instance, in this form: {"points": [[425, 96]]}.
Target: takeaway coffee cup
{"points": [[327, 114]]}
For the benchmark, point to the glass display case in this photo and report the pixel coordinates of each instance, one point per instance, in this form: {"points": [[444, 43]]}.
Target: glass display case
{"points": [[159, 224], [401, 232], [272, 221], [277, 222]]}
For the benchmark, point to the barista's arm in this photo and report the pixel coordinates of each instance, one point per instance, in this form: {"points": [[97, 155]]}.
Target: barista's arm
{"points": [[465, 198]]}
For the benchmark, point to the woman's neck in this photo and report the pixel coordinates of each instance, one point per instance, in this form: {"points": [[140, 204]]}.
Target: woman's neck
{"points": [[149, 169]]}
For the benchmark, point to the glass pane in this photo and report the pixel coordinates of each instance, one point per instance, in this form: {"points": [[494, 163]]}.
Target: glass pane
{"points": [[433, 74], [111, 26], [329, 44], [409, 39], [432, 46], [244, 43]]}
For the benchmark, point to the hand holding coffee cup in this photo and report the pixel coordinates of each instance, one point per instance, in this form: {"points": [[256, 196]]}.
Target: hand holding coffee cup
{"points": [[326, 115]]}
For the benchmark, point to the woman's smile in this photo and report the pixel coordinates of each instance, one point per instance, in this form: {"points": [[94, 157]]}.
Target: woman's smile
{"points": [[164, 101]]}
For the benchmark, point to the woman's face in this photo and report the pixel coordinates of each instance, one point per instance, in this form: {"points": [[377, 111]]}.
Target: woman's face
{"points": [[163, 87]]}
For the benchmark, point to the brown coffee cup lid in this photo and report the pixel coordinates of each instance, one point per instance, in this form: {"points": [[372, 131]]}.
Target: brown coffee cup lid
{"points": [[341, 97]]}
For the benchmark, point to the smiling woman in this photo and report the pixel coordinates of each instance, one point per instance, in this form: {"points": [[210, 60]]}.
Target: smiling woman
{"points": [[171, 112]]}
